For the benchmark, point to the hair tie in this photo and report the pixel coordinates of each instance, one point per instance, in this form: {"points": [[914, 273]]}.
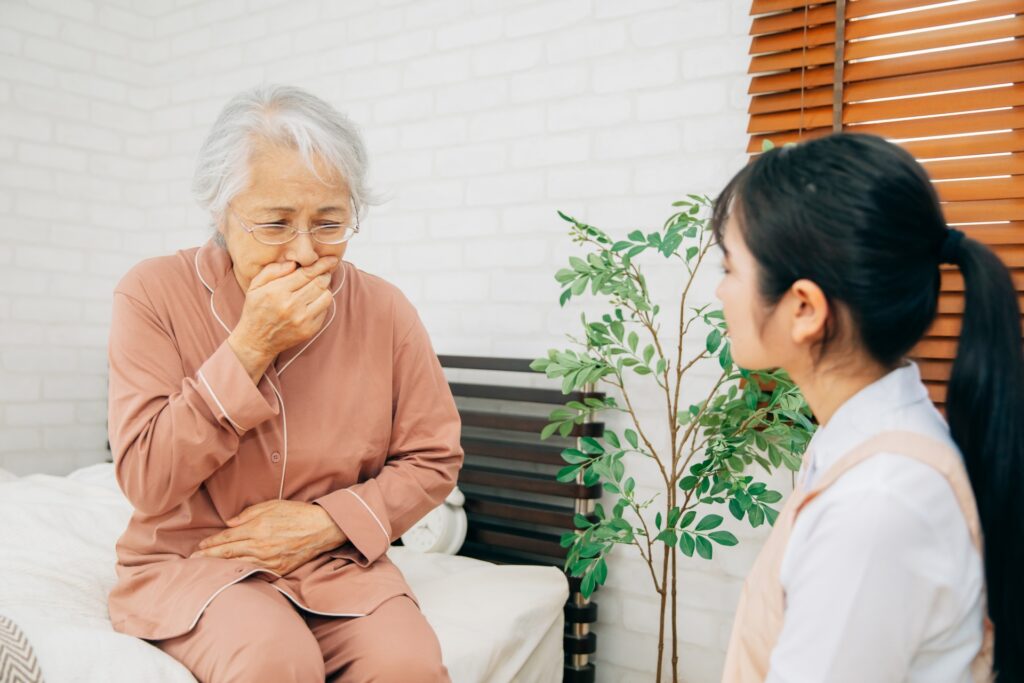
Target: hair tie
{"points": [[951, 246]]}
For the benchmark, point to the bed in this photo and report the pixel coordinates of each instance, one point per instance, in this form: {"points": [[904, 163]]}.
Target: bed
{"points": [[495, 622]]}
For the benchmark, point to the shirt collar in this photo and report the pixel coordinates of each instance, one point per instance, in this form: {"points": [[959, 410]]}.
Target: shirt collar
{"points": [[863, 415]]}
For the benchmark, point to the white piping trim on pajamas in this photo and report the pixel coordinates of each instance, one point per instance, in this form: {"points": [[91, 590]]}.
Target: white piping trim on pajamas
{"points": [[217, 401], [280, 399], [313, 611], [375, 518], [281, 590]]}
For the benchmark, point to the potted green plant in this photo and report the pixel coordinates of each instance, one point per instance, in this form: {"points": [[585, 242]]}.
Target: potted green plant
{"points": [[717, 446]]}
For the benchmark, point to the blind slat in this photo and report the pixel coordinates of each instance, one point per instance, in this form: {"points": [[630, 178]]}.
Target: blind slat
{"points": [[928, 105], [976, 167], [994, 233], [975, 190], [1011, 209], [953, 280], [954, 124], [934, 61], [935, 81], [971, 145]]}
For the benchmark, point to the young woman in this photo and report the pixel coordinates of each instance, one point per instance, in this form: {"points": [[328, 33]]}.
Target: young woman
{"points": [[875, 570]]}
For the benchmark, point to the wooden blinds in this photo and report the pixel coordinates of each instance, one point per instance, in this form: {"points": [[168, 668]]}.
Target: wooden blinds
{"points": [[943, 79]]}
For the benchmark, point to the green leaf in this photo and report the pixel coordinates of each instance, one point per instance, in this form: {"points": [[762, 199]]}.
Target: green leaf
{"points": [[642, 370], [714, 340], [723, 538], [709, 522], [567, 474], [587, 585], [581, 521], [755, 515], [565, 275], [735, 509], [648, 354], [687, 482], [578, 264], [686, 544], [687, 518], [618, 329], [632, 438], [612, 438], [668, 536], [767, 145], [549, 429], [574, 457], [704, 547], [771, 514], [657, 521], [634, 339], [601, 571], [770, 497], [637, 236]]}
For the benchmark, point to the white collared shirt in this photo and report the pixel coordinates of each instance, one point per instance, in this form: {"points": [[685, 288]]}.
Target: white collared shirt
{"points": [[882, 582]]}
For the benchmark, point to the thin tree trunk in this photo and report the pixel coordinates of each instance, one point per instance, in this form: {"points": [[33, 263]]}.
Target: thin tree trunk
{"points": [[675, 635], [664, 602]]}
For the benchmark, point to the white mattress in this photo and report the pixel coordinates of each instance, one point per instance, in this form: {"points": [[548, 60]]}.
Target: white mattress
{"points": [[495, 623]]}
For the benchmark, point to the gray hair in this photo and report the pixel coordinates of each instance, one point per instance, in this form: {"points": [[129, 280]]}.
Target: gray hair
{"points": [[283, 114]]}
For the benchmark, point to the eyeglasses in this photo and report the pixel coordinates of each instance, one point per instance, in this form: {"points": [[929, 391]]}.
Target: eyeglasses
{"points": [[274, 234]]}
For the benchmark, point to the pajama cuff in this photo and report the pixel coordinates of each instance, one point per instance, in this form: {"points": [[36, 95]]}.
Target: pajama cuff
{"points": [[365, 529], [230, 394]]}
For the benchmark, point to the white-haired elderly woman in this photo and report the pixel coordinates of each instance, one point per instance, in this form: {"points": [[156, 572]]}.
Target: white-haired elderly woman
{"points": [[277, 418]]}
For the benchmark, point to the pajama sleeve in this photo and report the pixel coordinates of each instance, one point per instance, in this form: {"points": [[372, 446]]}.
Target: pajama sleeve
{"points": [[169, 431], [424, 452]]}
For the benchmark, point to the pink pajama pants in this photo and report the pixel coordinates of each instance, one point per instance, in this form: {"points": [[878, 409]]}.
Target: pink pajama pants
{"points": [[253, 633]]}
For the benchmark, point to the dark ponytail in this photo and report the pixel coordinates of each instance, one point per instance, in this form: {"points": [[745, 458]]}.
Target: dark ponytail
{"points": [[859, 216], [985, 408]]}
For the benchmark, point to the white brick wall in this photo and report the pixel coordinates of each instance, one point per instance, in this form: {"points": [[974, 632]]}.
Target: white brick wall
{"points": [[482, 117]]}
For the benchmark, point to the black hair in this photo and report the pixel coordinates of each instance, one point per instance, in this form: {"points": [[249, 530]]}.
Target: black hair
{"points": [[859, 217]]}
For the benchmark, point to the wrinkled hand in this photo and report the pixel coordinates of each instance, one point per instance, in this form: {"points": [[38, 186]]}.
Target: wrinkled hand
{"points": [[285, 306], [279, 535]]}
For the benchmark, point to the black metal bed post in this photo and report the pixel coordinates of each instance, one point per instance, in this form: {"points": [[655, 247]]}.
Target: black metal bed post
{"points": [[578, 667]]}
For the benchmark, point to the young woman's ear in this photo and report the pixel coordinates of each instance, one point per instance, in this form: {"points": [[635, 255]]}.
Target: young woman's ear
{"points": [[810, 311]]}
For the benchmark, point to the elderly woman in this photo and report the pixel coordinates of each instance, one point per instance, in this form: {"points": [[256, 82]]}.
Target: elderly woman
{"points": [[277, 419]]}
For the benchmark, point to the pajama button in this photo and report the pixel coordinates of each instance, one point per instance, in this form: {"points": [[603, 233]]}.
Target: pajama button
{"points": [[275, 456]]}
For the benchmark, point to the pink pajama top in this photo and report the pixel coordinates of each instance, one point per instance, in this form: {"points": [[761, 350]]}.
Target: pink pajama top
{"points": [[359, 420]]}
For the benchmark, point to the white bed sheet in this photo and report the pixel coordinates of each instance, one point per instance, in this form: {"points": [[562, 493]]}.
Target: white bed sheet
{"points": [[496, 623]]}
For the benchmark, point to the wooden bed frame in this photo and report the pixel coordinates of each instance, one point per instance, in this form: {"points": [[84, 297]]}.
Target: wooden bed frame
{"points": [[517, 510]]}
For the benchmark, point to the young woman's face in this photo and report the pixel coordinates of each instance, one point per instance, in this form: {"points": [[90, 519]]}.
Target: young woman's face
{"points": [[755, 330]]}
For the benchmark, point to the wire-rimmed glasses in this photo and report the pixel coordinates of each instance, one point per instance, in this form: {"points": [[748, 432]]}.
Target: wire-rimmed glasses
{"points": [[274, 234]]}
